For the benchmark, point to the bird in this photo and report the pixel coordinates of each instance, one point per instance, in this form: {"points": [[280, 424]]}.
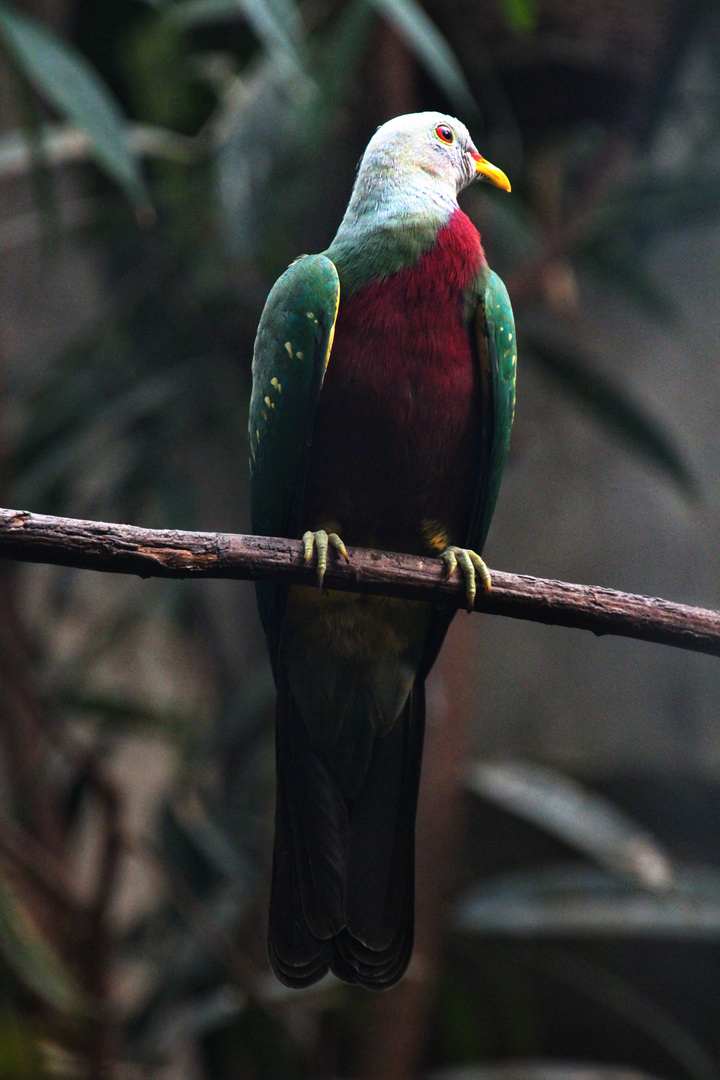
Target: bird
{"points": [[380, 416]]}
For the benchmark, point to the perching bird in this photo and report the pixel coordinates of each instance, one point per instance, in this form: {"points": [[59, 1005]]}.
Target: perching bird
{"points": [[382, 403]]}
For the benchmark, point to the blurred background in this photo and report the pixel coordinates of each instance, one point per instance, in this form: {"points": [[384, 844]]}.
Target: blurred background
{"points": [[161, 162]]}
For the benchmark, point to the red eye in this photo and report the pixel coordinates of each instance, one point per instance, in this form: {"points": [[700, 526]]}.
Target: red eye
{"points": [[445, 134]]}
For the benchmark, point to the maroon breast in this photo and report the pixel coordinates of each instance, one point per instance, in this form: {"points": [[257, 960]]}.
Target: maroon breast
{"points": [[396, 435]]}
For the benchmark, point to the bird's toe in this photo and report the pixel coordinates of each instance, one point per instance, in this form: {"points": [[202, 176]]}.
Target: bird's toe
{"points": [[471, 566], [318, 542]]}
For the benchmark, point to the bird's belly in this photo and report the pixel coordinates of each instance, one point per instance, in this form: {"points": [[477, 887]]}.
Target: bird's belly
{"points": [[351, 661]]}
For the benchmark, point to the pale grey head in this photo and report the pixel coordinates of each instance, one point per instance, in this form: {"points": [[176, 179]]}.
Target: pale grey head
{"points": [[405, 192], [416, 165]]}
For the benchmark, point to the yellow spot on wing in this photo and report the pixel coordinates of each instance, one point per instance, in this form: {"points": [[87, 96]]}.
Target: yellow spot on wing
{"points": [[310, 315], [332, 331], [267, 400], [300, 356], [274, 382], [288, 346], [330, 345]]}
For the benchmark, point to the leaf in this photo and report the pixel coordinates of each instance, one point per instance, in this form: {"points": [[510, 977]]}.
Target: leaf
{"points": [[613, 407], [637, 1008], [20, 1055], [626, 273], [60, 144], [573, 900], [221, 855], [541, 1069], [123, 713], [276, 23], [33, 961], [680, 36], [579, 817], [60, 73], [336, 59], [108, 427], [280, 16], [652, 203], [520, 15], [193, 1017], [197, 958], [41, 176], [432, 49]]}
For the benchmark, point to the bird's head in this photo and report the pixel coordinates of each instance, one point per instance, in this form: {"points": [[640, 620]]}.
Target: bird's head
{"points": [[408, 182], [432, 144]]}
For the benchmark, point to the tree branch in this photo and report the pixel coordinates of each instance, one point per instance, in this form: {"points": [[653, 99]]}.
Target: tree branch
{"points": [[169, 553]]}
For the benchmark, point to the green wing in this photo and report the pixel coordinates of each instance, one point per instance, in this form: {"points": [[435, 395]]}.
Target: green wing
{"points": [[291, 352], [497, 353]]}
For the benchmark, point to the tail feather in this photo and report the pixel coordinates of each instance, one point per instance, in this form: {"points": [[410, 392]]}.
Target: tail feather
{"points": [[343, 874], [374, 970], [317, 817], [297, 956], [381, 853]]}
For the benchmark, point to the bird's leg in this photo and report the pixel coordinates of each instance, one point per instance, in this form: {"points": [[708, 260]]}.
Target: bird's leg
{"points": [[322, 540], [470, 563]]}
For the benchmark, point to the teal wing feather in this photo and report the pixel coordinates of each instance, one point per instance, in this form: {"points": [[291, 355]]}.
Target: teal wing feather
{"points": [[492, 328], [497, 355], [291, 353]]}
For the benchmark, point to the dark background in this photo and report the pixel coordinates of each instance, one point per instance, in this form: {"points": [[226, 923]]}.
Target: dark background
{"points": [[568, 919]]}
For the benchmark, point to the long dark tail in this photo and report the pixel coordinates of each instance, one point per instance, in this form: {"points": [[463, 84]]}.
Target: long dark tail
{"points": [[343, 888]]}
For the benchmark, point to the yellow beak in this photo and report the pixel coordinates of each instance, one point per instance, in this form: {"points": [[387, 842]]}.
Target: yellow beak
{"points": [[491, 172]]}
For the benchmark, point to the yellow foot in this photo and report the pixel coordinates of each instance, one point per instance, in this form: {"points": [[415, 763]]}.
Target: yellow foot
{"points": [[470, 563], [322, 540]]}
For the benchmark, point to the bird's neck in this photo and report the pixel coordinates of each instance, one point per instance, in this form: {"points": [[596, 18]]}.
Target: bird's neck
{"points": [[387, 227]]}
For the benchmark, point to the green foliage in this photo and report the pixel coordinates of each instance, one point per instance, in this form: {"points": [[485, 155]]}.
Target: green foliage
{"points": [[20, 1056], [164, 88], [521, 15], [277, 25], [613, 406], [432, 50], [33, 961], [581, 818], [64, 78]]}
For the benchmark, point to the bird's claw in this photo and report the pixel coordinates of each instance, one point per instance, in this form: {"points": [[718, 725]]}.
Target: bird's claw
{"points": [[471, 565], [321, 541]]}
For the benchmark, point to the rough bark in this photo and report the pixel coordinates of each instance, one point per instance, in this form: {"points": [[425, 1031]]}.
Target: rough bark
{"points": [[127, 549]]}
